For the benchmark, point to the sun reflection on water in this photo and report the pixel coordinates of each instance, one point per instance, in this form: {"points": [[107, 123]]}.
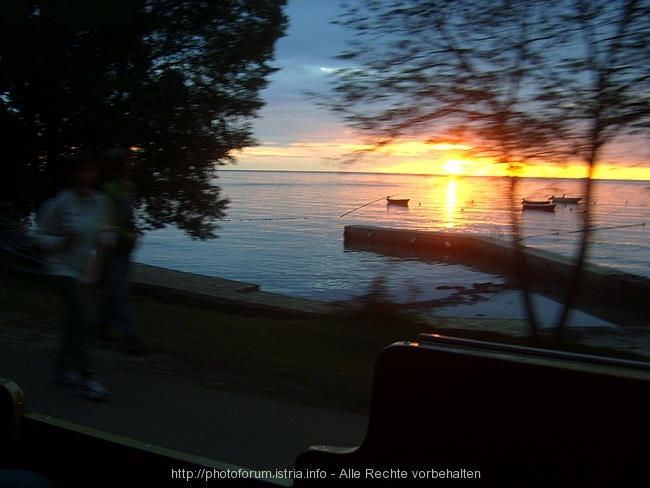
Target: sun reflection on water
{"points": [[451, 202]]}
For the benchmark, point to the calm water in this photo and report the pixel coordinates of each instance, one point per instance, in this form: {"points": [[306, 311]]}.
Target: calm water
{"points": [[284, 231]]}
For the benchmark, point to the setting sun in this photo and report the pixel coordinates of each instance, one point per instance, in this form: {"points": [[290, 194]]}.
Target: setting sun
{"points": [[416, 157], [454, 167]]}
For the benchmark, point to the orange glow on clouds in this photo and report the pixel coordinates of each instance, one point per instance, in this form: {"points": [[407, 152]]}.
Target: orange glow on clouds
{"points": [[418, 148], [412, 157]]}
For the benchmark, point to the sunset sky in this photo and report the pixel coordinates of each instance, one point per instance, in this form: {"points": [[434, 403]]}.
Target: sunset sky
{"points": [[295, 134]]}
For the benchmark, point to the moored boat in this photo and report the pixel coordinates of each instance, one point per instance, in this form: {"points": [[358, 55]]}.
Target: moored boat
{"points": [[536, 202], [565, 199], [398, 201], [543, 205]]}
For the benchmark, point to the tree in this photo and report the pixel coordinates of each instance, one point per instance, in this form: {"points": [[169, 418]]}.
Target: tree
{"points": [[177, 81], [522, 82], [603, 88]]}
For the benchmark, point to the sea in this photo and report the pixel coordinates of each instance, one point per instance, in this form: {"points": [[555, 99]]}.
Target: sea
{"points": [[284, 229]]}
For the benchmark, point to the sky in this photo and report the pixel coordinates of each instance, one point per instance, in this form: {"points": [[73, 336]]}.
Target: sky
{"points": [[294, 133]]}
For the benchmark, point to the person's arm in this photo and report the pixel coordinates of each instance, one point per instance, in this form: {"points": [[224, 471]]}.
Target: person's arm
{"points": [[47, 234]]}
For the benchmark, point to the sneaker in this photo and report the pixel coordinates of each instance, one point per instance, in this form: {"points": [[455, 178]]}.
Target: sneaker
{"points": [[93, 390], [68, 378]]}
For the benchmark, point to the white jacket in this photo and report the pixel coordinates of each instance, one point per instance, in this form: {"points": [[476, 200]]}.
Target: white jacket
{"points": [[85, 219]]}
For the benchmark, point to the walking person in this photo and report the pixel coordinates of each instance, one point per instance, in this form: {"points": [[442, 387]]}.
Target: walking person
{"points": [[121, 190], [72, 230]]}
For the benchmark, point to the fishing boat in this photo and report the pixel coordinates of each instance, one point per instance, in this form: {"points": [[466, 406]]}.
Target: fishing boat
{"points": [[543, 205], [404, 202], [536, 202], [565, 199]]}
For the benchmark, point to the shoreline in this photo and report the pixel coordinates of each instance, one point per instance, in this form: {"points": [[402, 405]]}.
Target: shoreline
{"points": [[249, 300], [240, 339], [231, 295]]}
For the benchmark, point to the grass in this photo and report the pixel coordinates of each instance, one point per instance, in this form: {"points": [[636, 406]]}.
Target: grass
{"points": [[325, 360]]}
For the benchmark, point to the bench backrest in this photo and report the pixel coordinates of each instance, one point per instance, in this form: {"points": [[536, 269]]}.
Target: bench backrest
{"points": [[516, 415], [69, 454], [74, 455]]}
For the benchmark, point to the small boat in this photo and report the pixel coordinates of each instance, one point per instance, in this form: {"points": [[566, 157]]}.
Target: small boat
{"points": [[404, 202], [536, 202], [565, 199], [545, 206]]}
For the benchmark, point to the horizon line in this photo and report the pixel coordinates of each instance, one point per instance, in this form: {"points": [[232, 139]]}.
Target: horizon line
{"points": [[276, 170]]}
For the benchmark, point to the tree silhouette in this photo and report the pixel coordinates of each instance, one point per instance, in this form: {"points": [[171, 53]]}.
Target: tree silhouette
{"points": [[176, 81], [521, 82]]}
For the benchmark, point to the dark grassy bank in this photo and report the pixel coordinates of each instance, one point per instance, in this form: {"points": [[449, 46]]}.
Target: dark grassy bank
{"points": [[325, 360]]}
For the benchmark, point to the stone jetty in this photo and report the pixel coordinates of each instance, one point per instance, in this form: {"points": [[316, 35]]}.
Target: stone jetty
{"points": [[498, 256]]}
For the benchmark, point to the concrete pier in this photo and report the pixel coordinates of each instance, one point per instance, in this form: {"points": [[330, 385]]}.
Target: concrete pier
{"points": [[497, 256]]}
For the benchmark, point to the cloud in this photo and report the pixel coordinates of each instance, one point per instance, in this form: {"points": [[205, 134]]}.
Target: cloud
{"points": [[305, 57], [294, 133]]}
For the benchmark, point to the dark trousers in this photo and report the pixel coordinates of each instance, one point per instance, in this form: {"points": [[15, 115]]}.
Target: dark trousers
{"points": [[117, 295], [76, 324]]}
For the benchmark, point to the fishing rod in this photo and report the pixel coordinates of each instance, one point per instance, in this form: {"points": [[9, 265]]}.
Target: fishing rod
{"points": [[582, 230], [276, 218], [608, 228], [304, 218], [364, 205]]}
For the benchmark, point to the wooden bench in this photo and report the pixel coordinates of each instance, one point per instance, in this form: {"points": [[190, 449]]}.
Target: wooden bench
{"points": [[69, 454], [441, 408], [446, 408], [12, 408]]}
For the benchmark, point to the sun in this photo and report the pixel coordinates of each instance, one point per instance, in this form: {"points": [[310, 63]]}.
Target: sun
{"points": [[453, 167]]}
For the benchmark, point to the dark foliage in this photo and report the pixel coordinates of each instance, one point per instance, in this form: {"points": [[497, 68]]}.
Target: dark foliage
{"points": [[178, 81], [519, 82]]}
